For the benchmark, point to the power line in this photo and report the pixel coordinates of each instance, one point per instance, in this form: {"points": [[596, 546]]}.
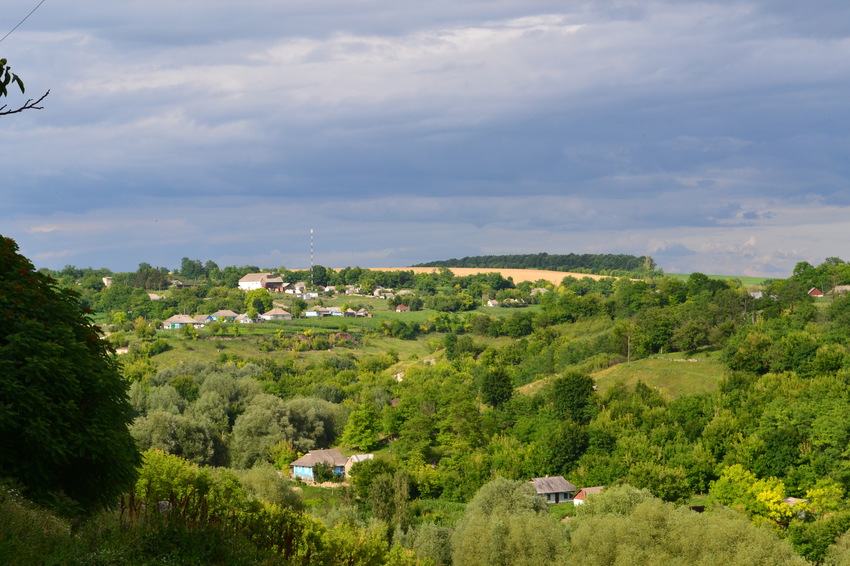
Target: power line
{"points": [[22, 21]]}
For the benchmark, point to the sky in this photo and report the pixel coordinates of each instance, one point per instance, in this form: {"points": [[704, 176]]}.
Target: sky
{"points": [[713, 136]]}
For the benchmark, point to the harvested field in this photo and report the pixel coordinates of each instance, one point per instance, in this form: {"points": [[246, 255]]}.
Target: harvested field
{"points": [[518, 275]]}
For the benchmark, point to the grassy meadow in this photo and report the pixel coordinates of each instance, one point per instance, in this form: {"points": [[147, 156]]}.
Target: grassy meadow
{"points": [[673, 375], [745, 280]]}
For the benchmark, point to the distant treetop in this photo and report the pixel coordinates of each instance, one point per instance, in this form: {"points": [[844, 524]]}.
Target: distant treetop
{"points": [[602, 264]]}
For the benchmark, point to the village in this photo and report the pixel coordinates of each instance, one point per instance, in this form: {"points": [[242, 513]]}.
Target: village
{"points": [[275, 285]]}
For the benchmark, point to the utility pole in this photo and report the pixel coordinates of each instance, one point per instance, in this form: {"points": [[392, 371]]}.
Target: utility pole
{"points": [[311, 258]]}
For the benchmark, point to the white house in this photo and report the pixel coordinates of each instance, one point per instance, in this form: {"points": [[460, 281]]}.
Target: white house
{"points": [[276, 314], [222, 316], [253, 281]]}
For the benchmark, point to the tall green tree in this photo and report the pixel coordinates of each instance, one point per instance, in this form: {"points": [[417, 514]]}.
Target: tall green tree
{"points": [[259, 299], [361, 430], [573, 396], [496, 387], [64, 416]]}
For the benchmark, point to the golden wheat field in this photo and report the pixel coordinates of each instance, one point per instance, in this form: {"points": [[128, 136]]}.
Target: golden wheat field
{"points": [[518, 275]]}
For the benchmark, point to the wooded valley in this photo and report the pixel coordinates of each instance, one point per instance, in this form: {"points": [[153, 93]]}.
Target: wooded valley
{"points": [[715, 417]]}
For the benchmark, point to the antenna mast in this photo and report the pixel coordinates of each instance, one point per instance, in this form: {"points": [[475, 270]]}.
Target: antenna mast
{"points": [[311, 257]]}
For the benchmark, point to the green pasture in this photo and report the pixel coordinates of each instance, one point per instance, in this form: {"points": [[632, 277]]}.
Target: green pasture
{"points": [[745, 280], [673, 375]]}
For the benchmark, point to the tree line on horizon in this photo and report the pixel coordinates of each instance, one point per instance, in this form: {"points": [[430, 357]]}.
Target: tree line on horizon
{"points": [[194, 270], [601, 264]]}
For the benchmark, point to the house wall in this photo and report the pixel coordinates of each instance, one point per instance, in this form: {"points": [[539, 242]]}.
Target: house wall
{"points": [[306, 472], [560, 497], [251, 285], [303, 472]]}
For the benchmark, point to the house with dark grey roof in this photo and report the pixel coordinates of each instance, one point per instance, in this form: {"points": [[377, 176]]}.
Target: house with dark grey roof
{"points": [[555, 489]]}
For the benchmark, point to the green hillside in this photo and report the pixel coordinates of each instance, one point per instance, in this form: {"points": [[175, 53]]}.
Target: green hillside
{"points": [[672, 375], [661, 389]]}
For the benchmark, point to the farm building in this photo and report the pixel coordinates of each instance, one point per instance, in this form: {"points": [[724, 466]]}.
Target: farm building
{"points": [[355, 459], [303, 466], [178, 321], [555, 489], [222, 316], [276, 314], [262, 281], [582, 494], [321, 312]]}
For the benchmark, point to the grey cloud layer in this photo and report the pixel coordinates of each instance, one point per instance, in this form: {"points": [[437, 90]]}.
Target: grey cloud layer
{"points": [[701, 132]]}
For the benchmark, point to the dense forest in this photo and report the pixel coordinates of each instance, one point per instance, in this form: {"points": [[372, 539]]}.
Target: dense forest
{"points": [[717, 418], [602, 264]]}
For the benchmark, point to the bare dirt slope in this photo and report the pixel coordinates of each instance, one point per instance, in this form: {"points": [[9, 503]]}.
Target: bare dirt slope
{"points": [[518, 275]]}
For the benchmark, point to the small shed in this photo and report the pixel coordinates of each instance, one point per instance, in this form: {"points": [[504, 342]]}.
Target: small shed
{"points": [[555, 489], [839, 290], [354, 459], [582, 494]]}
